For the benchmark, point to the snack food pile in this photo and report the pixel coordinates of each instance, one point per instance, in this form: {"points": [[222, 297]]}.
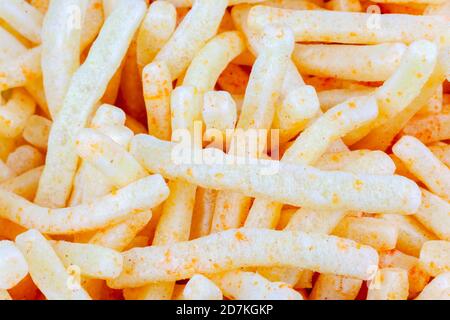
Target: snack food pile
{"points": [[225, 149]]}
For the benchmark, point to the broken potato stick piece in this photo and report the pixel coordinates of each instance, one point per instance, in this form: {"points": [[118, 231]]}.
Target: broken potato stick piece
{"points": [[352, 27], [331, 287], [198, 26], [13, 267], [257, 247], [23, 159], [389, 284], [373, 232], [86, 89], [15, 113], [36, 131], [94, 261], [241, 285], [201, 288], [291, 184], [435, 255], [424, 165], [46, 269], [430, 128], [219, 111], [109, 210], [437, 289]]}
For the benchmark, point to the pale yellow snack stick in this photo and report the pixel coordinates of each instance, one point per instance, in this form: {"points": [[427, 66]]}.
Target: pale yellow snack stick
{"points": [[389, 284], [198, 26], [47, 270], [5, 172], [15, 113], [201, 288], [13, 267], [435, 255], [352, 27], [330, 98], [87, 87], [331, 287], [36, 131], [229, 250], [424, 165], [156, 29], [428, 129], [23, 17], [437, 289], [24, 185]]}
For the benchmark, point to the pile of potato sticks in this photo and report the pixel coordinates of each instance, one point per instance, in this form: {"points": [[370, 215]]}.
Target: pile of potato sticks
{"points": [[225, 149]]}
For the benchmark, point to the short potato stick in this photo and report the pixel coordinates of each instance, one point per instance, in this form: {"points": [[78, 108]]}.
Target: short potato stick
{"points": [[109, 210], [229, 250], [430, 128], [21, 69], [434, 214], [36, 131], [157, 86], [23, 159], [240, 285], [24, 185], [94, 261], [15, 113], [219, 111], [350, 62], [389, 284], [261, 95], [424, 165], [435, 255], [87, 87], [13, 267], [61, 50], [352, 27], [201, 288], [411, 234], [291, 184], [373, 232], [47, 270], [23, 17], [402, 87], [331, 287], [212, 59], [199, 25], [156, 29], [417, 275], [382, 137], [330, 98], [437, 289]]}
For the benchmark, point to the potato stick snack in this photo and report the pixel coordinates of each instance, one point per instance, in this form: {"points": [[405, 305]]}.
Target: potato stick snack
{"points": [[437, 289], [392, 285], [201, 288], [435, 255], [13, 267], [271, 252]]}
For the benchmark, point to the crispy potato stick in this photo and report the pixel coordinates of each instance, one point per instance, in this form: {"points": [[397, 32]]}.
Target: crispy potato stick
{"points": [[199, 25], [201, 288], [434, 214], [376, 233], [36, 131], [212, 59], [359, 63], [61, 50], [402, 87], [21, 69], [239, 285], [291, 184], [311, 144], [430, 128], [381, 138], [424, 165], [435, 255], [238, 248], [389, 284], [257, 112], [24, 185], [157, 85], [5, 172], [156, 29], [93, 22], [15, 113], [411, 234], [330, 98], [417, 275], [205, 201], [141, 195], [94, 261], [13, 267], [47, 270], [331, 287], [87, 87], [437, 289], [352, 27], [23, 159], [442, 151], [219, 111], [185, 111], [23, 17]]}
